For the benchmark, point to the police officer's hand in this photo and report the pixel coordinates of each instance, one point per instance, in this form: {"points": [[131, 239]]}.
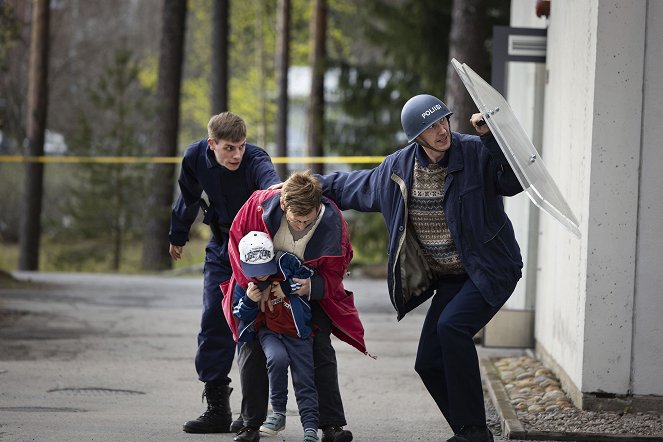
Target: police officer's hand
{"points": [[479, 124], [175, 252], [275, 186]]}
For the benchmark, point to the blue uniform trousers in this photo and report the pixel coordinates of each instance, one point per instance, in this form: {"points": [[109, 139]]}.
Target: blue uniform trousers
{"points": [[281, 352], [447, 360], [216, 347]]}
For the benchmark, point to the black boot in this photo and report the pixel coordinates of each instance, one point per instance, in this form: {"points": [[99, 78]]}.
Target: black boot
{"points": [[336, 434], [473, 434], [247, 434], [237, 425], [217, 418]]}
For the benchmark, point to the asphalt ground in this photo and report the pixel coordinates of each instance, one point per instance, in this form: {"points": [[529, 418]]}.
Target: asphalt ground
{"points": [[90, 357]]}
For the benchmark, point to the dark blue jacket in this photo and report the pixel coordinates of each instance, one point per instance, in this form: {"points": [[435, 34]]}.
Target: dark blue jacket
{"points": [[478, 176], [226, 191]]}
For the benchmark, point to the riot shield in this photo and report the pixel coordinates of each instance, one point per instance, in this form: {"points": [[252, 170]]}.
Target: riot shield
{"points": [[518, 148]]}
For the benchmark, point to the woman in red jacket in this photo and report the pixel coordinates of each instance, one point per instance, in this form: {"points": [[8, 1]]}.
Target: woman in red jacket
{"points": [[301, 221]]}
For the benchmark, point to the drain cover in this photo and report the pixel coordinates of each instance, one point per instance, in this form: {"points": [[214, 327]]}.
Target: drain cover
{"points": [[94, 391]]}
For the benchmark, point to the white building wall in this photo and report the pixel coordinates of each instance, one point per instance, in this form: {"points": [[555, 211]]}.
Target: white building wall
{"points": [[560, 300], [592, 138], [648, 318]]}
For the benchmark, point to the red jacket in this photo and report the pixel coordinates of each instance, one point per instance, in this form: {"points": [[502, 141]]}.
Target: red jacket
{"points": [[329, 252]]}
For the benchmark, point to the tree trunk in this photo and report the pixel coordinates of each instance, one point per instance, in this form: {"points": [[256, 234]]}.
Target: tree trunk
{"points": [[160, 191], [282, 66], [220, 51], [317, 61], [467, 35], [30, 230]]}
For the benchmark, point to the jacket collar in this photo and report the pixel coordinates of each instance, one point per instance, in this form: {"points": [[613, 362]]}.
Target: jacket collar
{"points": [[272, 213], [209, 157], [455, 154], [328, 236]]}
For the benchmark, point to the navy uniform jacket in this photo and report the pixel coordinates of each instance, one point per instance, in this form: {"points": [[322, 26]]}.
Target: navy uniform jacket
{"points": [[478, 176], [226, 191]]}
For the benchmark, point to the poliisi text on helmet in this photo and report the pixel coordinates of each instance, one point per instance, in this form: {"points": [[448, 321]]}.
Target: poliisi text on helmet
{"points": [[430, 111]]}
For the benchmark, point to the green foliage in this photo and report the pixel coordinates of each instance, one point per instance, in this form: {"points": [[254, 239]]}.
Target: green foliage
{"points": [[196, 77], [369, 238], [401, 49], [105, 200], [252, 86], [9, 31], [11, 189]]}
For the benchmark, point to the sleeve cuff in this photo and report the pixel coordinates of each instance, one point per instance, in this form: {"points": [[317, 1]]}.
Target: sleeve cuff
{"points": [[317, 287]]}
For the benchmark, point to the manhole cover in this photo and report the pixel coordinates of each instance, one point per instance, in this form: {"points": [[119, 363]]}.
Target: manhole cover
{"points": [[94, 391]]}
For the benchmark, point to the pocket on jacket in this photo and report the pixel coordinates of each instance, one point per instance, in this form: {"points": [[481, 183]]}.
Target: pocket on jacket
{"points": [[479, 221]]}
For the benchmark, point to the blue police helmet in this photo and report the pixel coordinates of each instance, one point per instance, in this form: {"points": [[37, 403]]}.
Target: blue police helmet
{"points": [[420, 112]]}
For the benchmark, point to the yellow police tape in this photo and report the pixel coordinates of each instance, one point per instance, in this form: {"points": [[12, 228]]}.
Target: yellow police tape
{"points": [[176, 160]]}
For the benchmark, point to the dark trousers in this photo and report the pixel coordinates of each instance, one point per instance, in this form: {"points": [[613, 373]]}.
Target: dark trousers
{"points": [[216, 347], [447, 359], [254, 382], [253, 377], [326, 371], [283, 352]]}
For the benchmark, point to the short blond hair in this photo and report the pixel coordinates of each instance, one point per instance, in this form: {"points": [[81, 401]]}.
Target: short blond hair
{"points": [[226, 126], [301, 193]]}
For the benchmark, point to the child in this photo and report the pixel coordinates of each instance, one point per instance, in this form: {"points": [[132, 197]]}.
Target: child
{"points": [[283, 328]]}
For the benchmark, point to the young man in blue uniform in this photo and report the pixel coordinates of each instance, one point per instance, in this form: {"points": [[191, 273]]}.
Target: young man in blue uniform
{"points": [[449, 239], [228, 170]]}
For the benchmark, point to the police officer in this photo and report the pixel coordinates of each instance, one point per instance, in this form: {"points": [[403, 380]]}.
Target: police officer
{"points": [[449, 239], [228, 170]]}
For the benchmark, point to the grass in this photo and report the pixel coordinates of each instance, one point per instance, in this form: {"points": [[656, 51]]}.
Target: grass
{"points": [[88, 256], [79, 257]]}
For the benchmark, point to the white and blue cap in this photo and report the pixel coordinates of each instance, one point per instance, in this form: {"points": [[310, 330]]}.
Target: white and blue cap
{"points": [[256, 252]]}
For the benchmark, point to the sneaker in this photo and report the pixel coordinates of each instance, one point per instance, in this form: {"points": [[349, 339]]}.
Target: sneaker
{"points": [[237, 425], [274, 423], [472, 433], [311, 436], [336, 434], [247, 434]]}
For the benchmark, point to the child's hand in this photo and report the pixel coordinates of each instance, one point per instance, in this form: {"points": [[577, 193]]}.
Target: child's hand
{"points": [[277, 290], [264, 299], [253, 292]]}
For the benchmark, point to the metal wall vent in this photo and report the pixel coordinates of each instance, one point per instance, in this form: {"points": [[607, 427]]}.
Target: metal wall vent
{"points": [[527, 45], [94, 391]]}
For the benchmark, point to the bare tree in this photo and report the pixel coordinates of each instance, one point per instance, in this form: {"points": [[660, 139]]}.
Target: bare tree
{"points": [[220, 51], [318, 62], [282, 66], [30, 231], [160, 191], [466, 39]]}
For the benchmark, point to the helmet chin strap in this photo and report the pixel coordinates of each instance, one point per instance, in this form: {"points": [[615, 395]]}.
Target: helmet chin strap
{"points": [[425, 144]]}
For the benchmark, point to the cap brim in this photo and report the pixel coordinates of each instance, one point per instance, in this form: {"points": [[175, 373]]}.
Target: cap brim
{"points": [[253, 270]]}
